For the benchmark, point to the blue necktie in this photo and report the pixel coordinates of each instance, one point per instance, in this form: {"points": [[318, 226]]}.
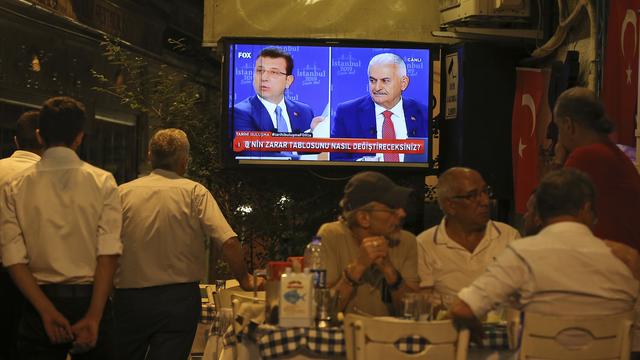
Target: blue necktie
{"points": [[282, 124], [282, 127]]}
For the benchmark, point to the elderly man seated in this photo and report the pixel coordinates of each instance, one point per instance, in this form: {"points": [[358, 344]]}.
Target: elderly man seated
{"points": [[564, 270], [371, 261], [455, 252]]}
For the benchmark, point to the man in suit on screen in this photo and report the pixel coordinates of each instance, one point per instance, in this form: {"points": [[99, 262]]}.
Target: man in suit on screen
{"points": [[384, 113], [269, 110]]}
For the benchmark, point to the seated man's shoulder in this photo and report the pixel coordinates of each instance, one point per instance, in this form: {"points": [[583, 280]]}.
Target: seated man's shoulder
{"points": [[331, 228], [406, 240], [333, 232], [411, 102], [244, 105], [427, 235], [299, 104], [357, 102], [505, 230]]}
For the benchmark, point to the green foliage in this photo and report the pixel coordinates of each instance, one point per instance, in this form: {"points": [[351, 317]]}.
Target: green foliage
{"points": [[286, 207], [166, 98]]}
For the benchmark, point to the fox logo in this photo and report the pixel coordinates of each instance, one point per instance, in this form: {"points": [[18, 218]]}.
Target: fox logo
{"points": [[244, 55]]}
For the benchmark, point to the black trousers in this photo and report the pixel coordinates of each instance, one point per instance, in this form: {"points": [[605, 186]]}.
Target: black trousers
{"points": [[158, 321], [72, 301], [11, 304]]}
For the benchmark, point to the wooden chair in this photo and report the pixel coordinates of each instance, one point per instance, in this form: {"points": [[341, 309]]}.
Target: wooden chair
{"points": [[600, 337], [378, 338]]}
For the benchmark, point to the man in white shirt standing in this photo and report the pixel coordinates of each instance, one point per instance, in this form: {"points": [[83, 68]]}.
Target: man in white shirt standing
{"points": [[60, 223], [452, 254], [28, 151], [167, 221], [564, 270]]}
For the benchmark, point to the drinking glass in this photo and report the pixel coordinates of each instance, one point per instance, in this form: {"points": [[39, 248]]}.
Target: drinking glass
{"points": [[425, 306], [410, 306], [220, 284]]}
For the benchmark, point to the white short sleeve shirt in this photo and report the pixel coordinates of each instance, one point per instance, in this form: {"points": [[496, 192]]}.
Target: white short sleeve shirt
{"points": [[448, 266], [58, 216]]}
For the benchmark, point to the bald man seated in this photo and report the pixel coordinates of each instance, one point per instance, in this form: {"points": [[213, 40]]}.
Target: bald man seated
{"points": [[456, 251]]}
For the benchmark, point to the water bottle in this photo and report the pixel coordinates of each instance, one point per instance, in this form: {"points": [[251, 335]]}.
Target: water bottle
{"points": [[315, 261]]}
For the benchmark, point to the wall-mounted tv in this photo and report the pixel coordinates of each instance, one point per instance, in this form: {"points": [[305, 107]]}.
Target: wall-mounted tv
{"points": [[328, 102]]}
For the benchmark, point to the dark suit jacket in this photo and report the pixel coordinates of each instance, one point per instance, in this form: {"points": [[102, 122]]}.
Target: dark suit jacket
{"points": [[357, 119], [251, 115]]}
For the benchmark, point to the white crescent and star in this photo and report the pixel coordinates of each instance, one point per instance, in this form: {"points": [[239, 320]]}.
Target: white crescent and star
{"points": [[527, 100], [629, 18]]}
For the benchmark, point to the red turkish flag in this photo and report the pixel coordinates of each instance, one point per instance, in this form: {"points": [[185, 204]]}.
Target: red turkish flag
{"points": [[531, 116], [620, 71]]}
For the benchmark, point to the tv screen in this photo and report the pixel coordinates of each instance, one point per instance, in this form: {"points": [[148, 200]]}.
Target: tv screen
{"points": [[295, 102]]}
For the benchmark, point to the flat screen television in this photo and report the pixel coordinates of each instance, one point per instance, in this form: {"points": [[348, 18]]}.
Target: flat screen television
{"points": [[333, 102]]}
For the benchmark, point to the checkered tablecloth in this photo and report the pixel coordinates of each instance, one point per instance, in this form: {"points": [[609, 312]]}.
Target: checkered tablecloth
{"points": [[274, 341], [413, 344], [207, 313], [495, 337]]}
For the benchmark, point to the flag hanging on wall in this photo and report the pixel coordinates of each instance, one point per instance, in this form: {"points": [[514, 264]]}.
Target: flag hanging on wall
{"points": [[620, 71], [531, 116]]}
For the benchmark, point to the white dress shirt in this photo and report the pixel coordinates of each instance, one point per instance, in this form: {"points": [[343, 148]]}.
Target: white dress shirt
{"points": [[271, 109], [58, 216], [167, 220], [564, 270], [448, 266], [17, 162], [399, 125], [11, 166]]}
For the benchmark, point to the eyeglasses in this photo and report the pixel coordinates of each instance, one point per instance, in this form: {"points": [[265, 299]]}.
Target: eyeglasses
{"points": [[263, 72], [475, 195]]}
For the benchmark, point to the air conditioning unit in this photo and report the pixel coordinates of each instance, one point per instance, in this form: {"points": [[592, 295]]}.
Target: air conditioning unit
{"points": [[483, 12]]}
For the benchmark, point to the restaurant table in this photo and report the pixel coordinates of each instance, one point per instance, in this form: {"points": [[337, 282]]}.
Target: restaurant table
{"points": [[273, 342]]}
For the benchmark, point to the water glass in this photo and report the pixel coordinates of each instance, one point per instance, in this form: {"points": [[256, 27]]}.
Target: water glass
{"points": [[425, 307], [220, 284], [410, 306]]}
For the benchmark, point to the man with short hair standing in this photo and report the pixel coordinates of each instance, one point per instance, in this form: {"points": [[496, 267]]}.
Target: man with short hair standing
{"points": [[167, 221], [28, 151], [60, 223], [371, 261], [452, 254]]}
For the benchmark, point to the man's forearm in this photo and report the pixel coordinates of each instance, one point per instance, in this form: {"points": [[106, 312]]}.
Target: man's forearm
{"points": [[24, 280], [102, 284], [234, 256], [345, 287]]}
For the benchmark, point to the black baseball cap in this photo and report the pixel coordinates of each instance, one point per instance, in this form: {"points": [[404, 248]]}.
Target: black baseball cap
{"points": [[369, 186]]}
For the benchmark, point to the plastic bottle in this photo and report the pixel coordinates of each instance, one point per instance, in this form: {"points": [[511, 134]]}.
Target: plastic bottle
{"points": [[315, 260]]}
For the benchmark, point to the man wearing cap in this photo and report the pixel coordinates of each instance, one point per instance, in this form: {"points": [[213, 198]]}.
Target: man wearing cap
{"points": [[452, 254], [371, 261]]}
